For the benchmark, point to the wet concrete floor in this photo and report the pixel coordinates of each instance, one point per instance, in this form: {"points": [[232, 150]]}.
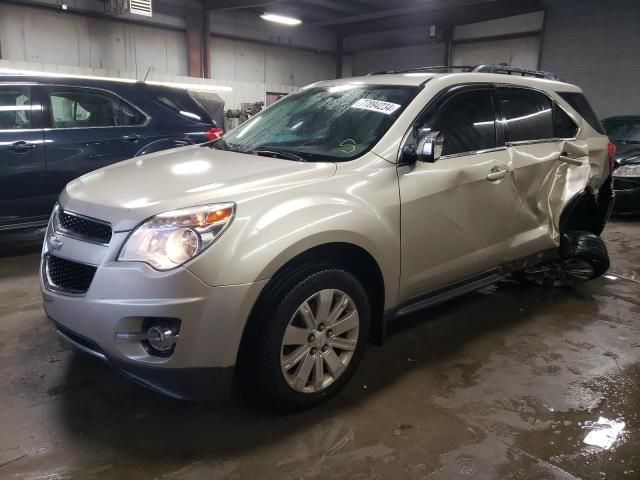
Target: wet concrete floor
{"points": [[506, 383]]}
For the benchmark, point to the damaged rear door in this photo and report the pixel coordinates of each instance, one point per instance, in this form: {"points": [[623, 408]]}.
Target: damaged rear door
{"points": [[550, 166]]}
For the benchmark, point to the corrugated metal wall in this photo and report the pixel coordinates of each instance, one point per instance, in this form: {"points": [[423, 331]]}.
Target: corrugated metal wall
{"points": [[596, 45]]}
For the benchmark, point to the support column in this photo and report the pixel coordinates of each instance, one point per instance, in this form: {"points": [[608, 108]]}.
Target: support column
{"points": [[194, 42], [339, 54]]}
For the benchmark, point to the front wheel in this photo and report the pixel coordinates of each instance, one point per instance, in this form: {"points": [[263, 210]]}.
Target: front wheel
{"points": [[583, 257], [313, 338]]}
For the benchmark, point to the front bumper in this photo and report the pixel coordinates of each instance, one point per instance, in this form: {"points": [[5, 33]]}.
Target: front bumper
{"points": [[627, 191], [123, 296]]}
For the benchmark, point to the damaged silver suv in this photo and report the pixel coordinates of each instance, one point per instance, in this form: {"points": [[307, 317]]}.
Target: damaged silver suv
{"points": [[274, 255]]}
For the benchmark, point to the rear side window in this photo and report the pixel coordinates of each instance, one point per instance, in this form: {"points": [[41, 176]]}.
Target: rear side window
{"points": [[528, 115], [581, 105], [85, 107], [15, 107], [563, 126], [181, 103], [467, 121]]}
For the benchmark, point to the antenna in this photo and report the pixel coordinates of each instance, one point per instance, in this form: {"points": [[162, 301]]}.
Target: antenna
{"points": [[145, 77]]}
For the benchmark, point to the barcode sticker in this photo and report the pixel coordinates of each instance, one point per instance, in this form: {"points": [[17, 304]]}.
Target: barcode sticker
{"points": [[376, 106]]}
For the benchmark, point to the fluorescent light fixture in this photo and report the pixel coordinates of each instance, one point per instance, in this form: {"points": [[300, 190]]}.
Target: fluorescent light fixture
{"points": [[270, 17], [204, 87]]}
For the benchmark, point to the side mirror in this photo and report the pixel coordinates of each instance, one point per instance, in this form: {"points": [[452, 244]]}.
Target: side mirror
{"points": [[430, 145]]}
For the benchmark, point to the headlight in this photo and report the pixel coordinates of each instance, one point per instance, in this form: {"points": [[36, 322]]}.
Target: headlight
{"points": [[627, 171], [170, 239]]}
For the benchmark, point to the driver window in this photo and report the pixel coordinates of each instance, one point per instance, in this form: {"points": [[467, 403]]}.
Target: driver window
{"points": [[467, 121]]}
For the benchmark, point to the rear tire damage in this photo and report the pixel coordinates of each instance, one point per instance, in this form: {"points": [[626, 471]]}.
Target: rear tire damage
{"points": [[583, 256]]}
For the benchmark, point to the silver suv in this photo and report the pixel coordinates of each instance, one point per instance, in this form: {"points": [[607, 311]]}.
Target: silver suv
{"points": [[274, 255]]}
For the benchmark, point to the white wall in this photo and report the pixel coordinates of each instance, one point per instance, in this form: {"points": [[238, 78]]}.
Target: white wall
{"points": [[239, 24], [55, 41], [38, 35], [397, 58], [254, 62], [517, 52]]}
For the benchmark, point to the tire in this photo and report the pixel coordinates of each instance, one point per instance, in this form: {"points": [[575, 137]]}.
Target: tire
{"points": [[583, 257], [285, 385]]}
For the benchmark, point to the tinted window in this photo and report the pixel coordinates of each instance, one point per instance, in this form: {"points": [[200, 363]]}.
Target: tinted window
{"points": [[580, 104], [466, 120], [181, 103], [623, 129], [85, 107], [527, 114], [563, 126], [15, 107]]}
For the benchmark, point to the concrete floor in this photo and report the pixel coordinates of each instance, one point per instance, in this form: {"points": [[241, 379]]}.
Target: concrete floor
{"points": [[504, 383]]}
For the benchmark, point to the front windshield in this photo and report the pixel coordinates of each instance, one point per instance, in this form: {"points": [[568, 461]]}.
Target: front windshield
{"points": [[623, 130], [336, 123]]}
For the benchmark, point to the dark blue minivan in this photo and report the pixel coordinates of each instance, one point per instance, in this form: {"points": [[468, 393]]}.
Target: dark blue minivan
{"points": [[54, 129]]}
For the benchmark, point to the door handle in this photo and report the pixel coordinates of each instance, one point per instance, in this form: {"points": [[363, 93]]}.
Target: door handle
{"points": [[497, 173], [567, 159], [132, 138], [22, 146]]}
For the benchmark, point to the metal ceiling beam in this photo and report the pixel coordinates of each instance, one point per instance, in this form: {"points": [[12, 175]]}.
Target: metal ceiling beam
{"points": [[238, 4], [425, 6], [341, 7], [445, 17]]}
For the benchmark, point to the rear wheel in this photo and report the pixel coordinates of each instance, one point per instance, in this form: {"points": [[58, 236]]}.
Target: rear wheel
{"points": [[583, 257], [312, 340]]}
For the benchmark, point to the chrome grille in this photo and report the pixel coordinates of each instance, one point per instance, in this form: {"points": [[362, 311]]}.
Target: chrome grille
{"points": [[83, 228], [67, 276]]}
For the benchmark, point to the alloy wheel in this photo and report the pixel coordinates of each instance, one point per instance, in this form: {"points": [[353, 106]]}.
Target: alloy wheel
{"points": [[564, 272], [319, 341]]}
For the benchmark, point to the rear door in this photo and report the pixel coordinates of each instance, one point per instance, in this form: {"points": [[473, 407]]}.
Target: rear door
{"points": [[539, 135], [22, 161], [89, 129]]}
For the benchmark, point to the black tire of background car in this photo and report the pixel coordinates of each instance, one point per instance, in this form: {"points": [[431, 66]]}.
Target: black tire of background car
{"points": [[282, 302], [576, 245]]}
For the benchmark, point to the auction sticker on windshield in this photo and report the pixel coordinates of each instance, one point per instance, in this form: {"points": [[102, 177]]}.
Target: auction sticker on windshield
{"points": [[376, 106]]}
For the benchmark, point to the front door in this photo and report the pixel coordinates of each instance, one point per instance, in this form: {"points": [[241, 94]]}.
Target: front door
{"points": [[456, 212], [22, 160]]}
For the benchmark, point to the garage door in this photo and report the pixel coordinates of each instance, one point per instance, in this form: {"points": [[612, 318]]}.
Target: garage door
{"points": [[516, 52]]}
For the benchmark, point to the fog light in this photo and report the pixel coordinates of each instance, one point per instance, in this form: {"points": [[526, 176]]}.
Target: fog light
{"points": [[161, 338]]}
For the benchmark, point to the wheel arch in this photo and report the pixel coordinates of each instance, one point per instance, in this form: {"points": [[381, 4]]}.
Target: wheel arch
{"points": [[349, 256], [588, 211]]}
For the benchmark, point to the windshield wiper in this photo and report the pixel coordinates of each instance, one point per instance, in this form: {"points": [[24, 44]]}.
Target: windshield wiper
{"points": [[221, 144], [278, 154]]}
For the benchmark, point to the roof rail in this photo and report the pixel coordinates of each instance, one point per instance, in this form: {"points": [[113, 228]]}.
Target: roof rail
{"points": [[488, 68], [506, 70], [438, 68]]}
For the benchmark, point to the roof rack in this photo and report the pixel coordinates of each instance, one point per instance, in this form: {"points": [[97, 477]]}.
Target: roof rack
{"points": [[488, 68], [506, 70], [438, 68]]}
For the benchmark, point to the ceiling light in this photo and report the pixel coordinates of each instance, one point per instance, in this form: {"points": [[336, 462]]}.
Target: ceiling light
{"points": [[269, 17]]}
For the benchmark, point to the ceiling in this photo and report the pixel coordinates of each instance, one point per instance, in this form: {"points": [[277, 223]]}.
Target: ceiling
{"points": [[352, 17]]}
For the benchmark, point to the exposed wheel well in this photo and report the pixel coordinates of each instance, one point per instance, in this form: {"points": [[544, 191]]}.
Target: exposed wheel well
{"points": [[350, 257], [588, 212]]}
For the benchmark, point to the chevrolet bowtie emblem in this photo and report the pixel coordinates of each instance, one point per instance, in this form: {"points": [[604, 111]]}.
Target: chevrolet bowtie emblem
{"points": [[55, 243]]}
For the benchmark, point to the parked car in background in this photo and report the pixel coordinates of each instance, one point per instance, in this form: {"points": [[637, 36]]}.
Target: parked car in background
{"points": [[278, 251], [624, 131], [55, 129]]}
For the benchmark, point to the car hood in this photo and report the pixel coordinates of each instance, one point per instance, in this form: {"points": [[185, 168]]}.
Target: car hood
{"points": [[129, 192], [627, 153]]}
